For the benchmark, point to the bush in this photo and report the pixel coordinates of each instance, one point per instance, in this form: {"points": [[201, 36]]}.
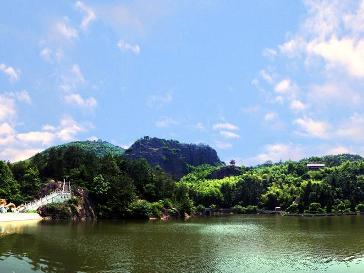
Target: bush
{"points": [[200, 208], [315, 208], [245, 210], [360, 207], [293, 208], [342, 206], [140, 209], [238, 209], [250, 209]]}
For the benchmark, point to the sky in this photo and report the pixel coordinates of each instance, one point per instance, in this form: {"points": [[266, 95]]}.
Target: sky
{"points": [[256, 80]]}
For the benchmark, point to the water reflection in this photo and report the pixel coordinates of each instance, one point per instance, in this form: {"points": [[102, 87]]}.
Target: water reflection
{"points": [[231, 244]]}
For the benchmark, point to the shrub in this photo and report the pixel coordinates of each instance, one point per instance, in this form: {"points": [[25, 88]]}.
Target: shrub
{"points": [[140, 209], [238, 209], [360, 207], [245, 210], [250, 209], [200, 208], [293, 208], [315, 208]]}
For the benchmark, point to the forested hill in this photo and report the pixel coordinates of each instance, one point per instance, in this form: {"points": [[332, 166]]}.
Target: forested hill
{"points": [[99, 148], [172, 156]]}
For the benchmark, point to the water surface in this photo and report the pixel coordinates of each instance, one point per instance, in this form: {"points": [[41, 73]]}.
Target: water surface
{"points": [[226, 244]]}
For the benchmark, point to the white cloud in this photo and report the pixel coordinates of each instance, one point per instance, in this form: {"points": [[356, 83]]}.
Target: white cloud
{"points": [[21, 145], [12, 73], [48, 127], [6, 134], [284, 86], [77, 100], [76, 71], [313, 128], [68, 129], [347, 53], [23, 96], [126, 47], [45, 53], [165, 122], [266, 76], [339, 150], [276, 152], [269, 53], [297, 105], [63, 30], [93, 138], [89, 14], [49, 55], [270, 116], [225, 126], [352, 128], [36, 136], [7, 109], [14, 154], [228, 134]]}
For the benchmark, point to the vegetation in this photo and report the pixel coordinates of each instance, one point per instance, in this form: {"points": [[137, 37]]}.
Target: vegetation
{"points": [[337, 188], [121, 187]]}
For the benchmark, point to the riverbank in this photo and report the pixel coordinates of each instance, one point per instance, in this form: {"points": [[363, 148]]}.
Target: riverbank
{"points": [[12, 217]]}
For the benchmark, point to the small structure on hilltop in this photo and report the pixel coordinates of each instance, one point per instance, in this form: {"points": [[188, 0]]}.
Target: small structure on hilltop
{"points": [[315, 166]]}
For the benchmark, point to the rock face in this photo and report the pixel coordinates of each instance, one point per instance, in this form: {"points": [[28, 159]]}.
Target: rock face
{"points": [[172, 156], [79, 208]]}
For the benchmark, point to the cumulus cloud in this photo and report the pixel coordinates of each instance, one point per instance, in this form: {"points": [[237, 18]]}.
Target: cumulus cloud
{"points": [[89, 14], [78, 100], [65, 31], [229, 134], [276, 152], [352, 129], [21, 145], [297, 105], [127, 47], [313, 128], [284, 86], [270, 116], [7, 109], [225, 126], [12, 73]]}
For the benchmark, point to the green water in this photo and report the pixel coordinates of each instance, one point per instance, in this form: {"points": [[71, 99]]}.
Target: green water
{"points": [[226, 244]]}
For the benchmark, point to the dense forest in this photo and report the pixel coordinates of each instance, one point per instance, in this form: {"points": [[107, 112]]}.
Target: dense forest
{"points": [[120, 187]]}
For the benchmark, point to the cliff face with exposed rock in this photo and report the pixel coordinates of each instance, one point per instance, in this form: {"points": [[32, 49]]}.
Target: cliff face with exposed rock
{"points": [[79, 208], [172, 156]]}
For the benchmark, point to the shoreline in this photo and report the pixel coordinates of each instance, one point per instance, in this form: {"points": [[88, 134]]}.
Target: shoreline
{"points": [[15, 217]]}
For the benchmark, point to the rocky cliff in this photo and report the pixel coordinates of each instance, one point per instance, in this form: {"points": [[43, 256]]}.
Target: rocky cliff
{"points": [[172, 156]]}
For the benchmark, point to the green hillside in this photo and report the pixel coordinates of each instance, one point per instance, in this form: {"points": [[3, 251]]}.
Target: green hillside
{"points": [[99, 148]]}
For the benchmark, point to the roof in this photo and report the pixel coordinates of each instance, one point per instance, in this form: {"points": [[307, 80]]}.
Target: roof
{"points": [[315, 165]]}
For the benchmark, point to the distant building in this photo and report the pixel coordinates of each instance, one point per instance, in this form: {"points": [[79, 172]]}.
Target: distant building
{"points": [[315, 166]]}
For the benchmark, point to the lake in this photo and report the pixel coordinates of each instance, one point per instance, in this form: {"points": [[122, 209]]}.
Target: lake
{"points": [[215, 244]]}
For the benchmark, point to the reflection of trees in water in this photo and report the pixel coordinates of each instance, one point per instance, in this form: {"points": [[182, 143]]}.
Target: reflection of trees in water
{"points": [[321, 239], [50, 250], [200, 245]]}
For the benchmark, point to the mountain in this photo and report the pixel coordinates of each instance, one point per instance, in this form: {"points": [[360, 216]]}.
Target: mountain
{"points": [[172, 156], [99, 148]]}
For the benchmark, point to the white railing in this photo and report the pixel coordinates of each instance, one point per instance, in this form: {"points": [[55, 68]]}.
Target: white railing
{"points": [[57, 196]]}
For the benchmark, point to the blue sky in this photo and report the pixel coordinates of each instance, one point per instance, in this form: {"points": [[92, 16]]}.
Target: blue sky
{"points": [[256, 80]]}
